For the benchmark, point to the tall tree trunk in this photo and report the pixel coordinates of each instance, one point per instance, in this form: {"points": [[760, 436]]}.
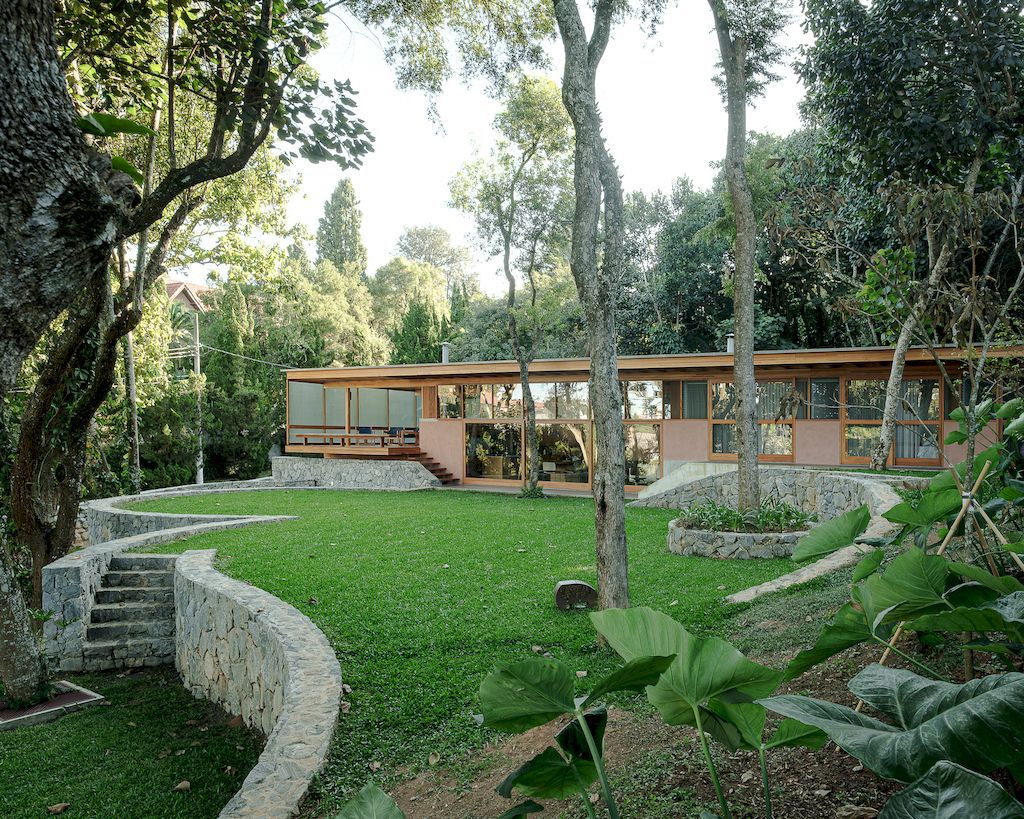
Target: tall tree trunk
{"points": [[21, 662], [523, 359], [135, 462], [734, 58], [597, 285]]}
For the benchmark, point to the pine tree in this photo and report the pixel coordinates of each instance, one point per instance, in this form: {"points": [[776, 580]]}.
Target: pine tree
{"points": [[418, 338], [338, 238]]}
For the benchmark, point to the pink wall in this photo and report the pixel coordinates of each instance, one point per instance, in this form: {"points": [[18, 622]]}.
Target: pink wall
{"points": [[442, 440], [817, 443], [955, 453], [685, 440]]}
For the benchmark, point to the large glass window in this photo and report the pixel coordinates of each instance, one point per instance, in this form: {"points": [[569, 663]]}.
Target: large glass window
{"points": [[543, 400], [823, 399], [449, 401], [305, 409], [368, 408], [775, 440], [861, 439], [643, 399], [774, 400], [572, 400], [563, 452], [403, 411], [695, 399], [919, 400], [723, 439], [508, 400], [865, 400], [478, 400], [916, 437], [494, 451], [334, 406], [777, 402], [643, 454], [723, 402]]}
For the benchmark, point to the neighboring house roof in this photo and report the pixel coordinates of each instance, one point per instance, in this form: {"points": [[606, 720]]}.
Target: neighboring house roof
{"points": [[188, 295]]}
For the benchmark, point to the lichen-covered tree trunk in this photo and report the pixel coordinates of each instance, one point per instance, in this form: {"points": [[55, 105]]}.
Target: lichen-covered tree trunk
{"points": [[734, 56], [21, 663], [597, 285]]}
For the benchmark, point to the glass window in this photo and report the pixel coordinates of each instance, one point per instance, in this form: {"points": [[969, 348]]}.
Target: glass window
{"points": [[402, 409], [494, 451], [543, 400], [695, 399], [774, 400], [824, 398], [508, 400], [334, 403], [723, 401], [775, 439], [563, 451], [723, 439], [643, 399], [449, 401], [305, 408], [479, 400], [917, 442], [572, 400], [861, 439], [919, 400], [372, 407], [865, 400], [643, 454]]}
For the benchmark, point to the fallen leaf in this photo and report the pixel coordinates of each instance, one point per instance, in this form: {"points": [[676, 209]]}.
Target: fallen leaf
{"points": [[230, 770], [375, 766], [346, 706], [822, 792], [595, 798], [60, 807], [189, 722], [313, 601], [446, 566], [235, 722], [747, 776], [182, 752], [722, 587], [581, 673], [346, 688], [132, 725], [204, 728], [856, 812], [166, 752], [434, 758], [674, 603], [183, 786], [536, 649]]}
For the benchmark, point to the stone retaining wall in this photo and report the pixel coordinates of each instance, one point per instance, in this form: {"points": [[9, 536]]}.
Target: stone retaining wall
{"points": [[735, 545], [345, 473], [262, 659]]}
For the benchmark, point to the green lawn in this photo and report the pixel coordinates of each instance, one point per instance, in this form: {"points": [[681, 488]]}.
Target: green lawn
{"points": [[420, 593], [125, 759]]}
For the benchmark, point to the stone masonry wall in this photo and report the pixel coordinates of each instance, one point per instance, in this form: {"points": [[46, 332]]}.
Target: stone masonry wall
{"points": [[344, 473], [260, 658], [735, 545]]}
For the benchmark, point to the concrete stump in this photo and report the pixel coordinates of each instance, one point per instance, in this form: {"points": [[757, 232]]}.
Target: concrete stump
{"points": [[574, 594]]}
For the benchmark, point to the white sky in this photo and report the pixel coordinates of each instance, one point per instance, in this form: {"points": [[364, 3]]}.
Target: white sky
{"points": [[663, 119]]}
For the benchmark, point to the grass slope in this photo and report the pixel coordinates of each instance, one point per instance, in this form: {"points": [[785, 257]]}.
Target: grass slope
{"points": [[421, 592], [125, 759]]}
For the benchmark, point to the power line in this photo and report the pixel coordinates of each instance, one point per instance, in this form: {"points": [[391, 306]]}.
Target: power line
{"points": [[249, 358]]}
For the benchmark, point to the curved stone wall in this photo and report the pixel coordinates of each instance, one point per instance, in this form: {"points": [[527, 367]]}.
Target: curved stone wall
{"points": [[735, 545], [261, 658], [350, 473]]}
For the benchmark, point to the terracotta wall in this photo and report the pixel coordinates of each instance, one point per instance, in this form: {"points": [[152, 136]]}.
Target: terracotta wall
{"points": [[442, 440], [818, 443], [685, 440]]}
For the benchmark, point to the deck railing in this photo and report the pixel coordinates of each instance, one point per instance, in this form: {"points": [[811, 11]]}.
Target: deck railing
{"points": [[375, 437]]}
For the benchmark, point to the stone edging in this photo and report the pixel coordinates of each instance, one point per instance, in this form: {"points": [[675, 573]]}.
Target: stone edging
{"points": [[732, 545], [259, 657]]}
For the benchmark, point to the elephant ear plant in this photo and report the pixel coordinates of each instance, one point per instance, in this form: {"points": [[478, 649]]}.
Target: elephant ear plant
{"points": [[518, 696]]}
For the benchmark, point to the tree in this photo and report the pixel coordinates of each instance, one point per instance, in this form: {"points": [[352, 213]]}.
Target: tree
{"points": [[418, 338], [595, 177], [746, 31], [338, 237], [519, 197], [433, 245], [399, 283], [921, 100]]}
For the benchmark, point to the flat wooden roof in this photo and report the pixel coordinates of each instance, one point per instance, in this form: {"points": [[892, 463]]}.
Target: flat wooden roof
{"points": [[631, 367]]}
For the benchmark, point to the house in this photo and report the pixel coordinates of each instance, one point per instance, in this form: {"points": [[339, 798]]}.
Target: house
{"points": [[465, 419], [188, 295]]}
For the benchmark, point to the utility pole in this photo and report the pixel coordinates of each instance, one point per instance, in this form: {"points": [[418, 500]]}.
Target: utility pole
{"points": [[197, 369]]}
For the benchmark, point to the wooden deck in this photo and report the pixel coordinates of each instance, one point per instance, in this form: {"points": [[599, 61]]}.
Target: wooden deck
{"points": [[350, 451]]}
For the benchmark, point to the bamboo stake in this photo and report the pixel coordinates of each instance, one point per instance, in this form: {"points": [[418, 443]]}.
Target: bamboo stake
{"points": [[1001, 538]]}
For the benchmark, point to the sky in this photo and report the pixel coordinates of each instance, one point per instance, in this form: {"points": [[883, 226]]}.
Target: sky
{"points": [[663, 118]]}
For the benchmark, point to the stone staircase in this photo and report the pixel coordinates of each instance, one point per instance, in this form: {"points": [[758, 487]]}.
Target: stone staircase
{"points": [[131, 623]]}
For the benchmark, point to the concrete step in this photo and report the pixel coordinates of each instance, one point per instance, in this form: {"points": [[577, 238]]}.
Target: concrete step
{"points": [[138, 578], [142, 629], [125, 652], [130, 561], [143, 594], [130, 612]]}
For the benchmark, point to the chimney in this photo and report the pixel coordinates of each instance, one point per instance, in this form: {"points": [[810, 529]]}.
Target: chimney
{"points": [[445, 347], [730, 342]]}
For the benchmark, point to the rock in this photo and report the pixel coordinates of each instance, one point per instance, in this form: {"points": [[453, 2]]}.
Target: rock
{"points": [[856, 812], [574, 594]]}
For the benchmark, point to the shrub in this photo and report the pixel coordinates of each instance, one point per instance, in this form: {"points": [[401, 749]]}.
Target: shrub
{"points": [[773, 516]]}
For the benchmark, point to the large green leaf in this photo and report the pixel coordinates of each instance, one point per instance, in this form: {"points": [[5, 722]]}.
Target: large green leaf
{"points": [[635, 675], [572, 740], [1015, 427], [949, 791], [119, 163], [867, 566], [1011, 409], [104, 125], [944, 480], [934, 505], [1002, 584], [792, 733], [549, 776], [980, 732], [832, 535], [703, 668], [525, 694], [522, 809], [848, 628], [371, 803], [913, 583], [747, 718], [1005, 615]]}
